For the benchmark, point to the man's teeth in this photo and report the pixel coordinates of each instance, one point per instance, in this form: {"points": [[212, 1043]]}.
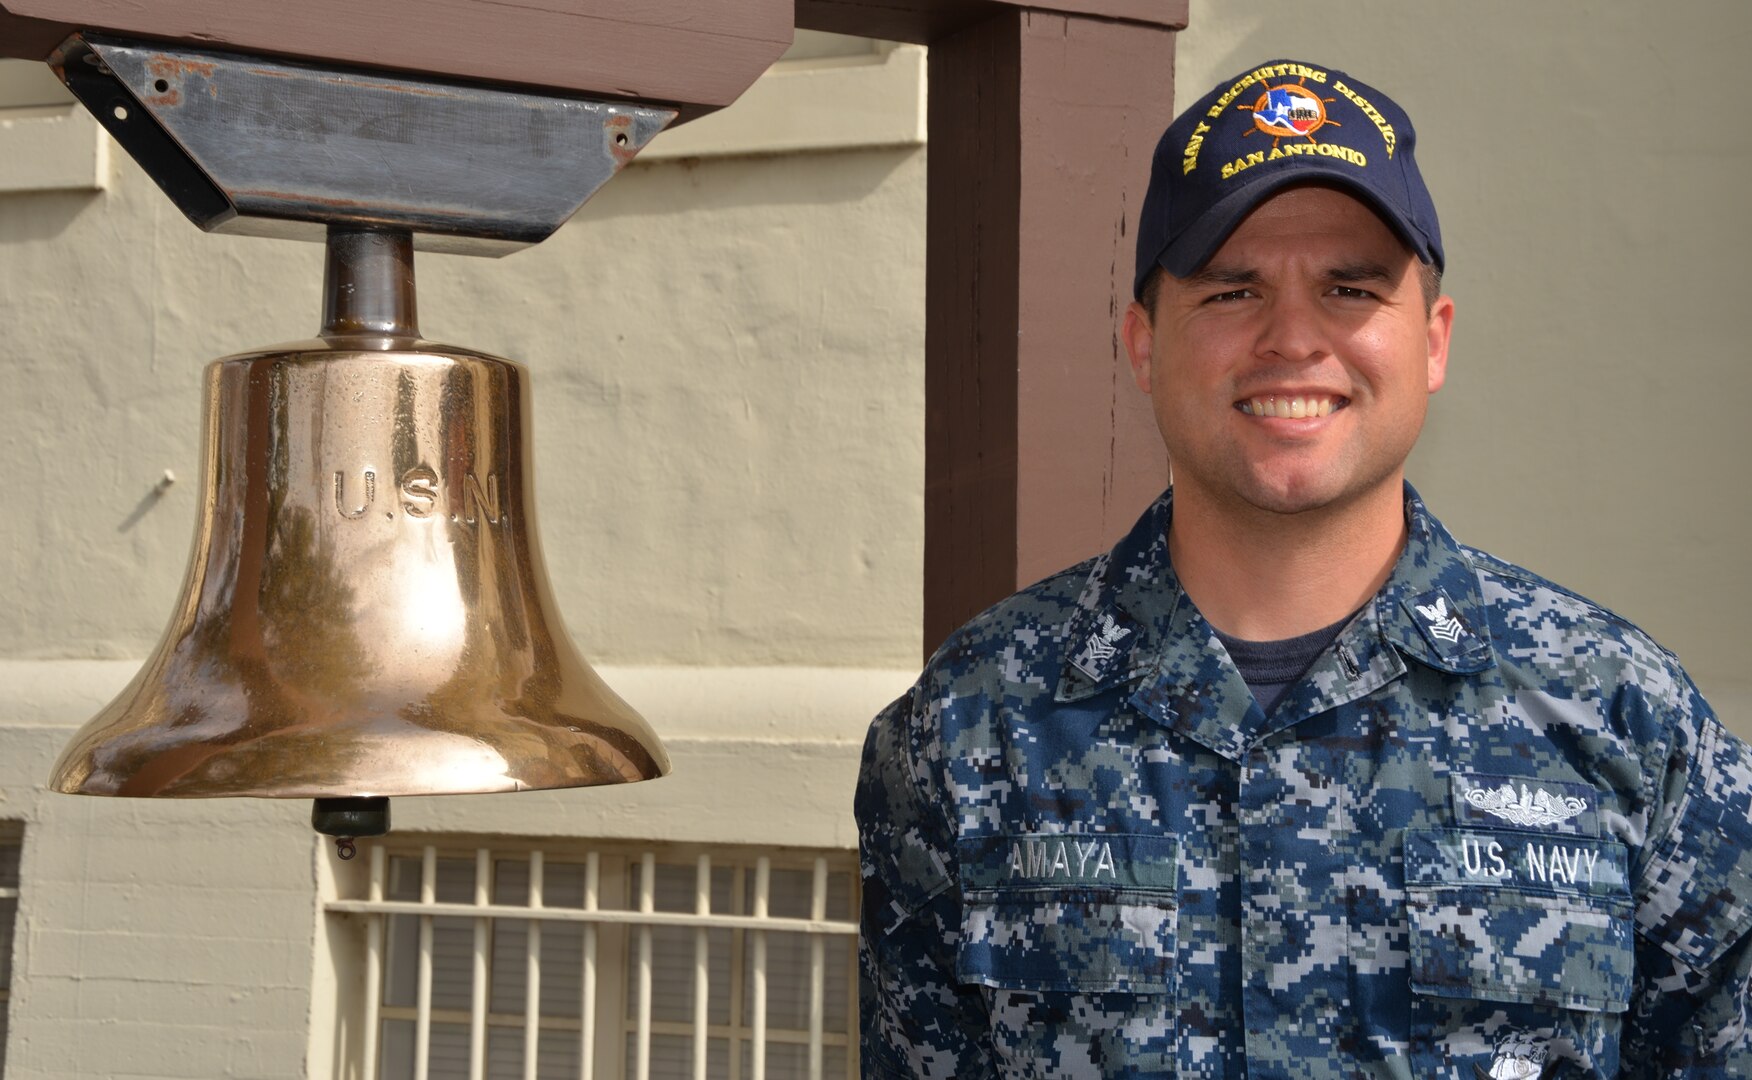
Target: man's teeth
{"points": [[1291, 408]]}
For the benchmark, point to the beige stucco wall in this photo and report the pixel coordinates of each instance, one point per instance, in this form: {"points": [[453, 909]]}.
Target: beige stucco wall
{"points": [[727, 360]]}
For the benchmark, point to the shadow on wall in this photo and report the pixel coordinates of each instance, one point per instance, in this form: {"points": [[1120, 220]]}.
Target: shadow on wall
{"points": [[37, 216], [666, 187]]}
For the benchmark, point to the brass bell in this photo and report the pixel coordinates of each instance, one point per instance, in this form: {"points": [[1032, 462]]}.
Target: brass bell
{"points": [[366, 611]]}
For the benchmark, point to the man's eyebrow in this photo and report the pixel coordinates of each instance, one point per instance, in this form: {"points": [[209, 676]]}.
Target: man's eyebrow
{"points": [[1359, 271], [1223, 275]]}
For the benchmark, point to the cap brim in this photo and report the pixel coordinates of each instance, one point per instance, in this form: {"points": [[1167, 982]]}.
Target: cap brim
{"points": [[1193, 248]]}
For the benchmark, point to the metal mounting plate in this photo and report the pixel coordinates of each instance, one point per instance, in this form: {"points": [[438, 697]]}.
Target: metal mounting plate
{"points": [[247, 144]]}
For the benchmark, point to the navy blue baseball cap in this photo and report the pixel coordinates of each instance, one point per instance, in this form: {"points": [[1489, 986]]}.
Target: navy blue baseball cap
{"points": [[1275, 125]]}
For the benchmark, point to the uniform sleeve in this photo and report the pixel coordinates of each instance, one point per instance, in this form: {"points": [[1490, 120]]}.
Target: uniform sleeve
{"points": [[1694, 911], [916, 1020]]}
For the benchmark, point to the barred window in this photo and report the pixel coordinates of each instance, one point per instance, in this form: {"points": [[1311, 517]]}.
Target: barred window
{"points": [[645, 961], [10, 845]]}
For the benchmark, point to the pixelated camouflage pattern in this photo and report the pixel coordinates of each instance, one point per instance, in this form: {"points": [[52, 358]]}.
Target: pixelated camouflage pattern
{"points": [[1335, 911]]}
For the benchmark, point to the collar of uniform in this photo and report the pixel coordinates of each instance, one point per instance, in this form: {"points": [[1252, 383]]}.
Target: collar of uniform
{"points": [[1134, 606], [1124, 610], [1194, 689], [1432, 607]]}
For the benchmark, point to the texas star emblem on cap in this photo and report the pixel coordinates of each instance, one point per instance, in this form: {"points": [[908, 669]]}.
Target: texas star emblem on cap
{"points": [[1288, 111], [1278, 124]]}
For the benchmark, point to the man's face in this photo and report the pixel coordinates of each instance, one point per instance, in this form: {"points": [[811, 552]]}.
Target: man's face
{"points": [[1293, 372]]}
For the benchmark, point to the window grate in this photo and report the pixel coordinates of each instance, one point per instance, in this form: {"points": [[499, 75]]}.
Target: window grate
{"points": [[508, 962]]}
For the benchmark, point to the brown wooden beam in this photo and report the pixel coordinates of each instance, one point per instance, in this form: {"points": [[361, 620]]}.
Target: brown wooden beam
{"points": [[30, 39], [925, 21], [1038, 450], [696, 56]]}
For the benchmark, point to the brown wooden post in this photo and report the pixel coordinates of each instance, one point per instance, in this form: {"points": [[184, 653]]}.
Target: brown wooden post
{"points": [[1038, 450]]}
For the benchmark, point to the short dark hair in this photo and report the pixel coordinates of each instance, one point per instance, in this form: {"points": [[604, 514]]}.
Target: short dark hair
{"points": [[1429, 275], [1429, 278], [1151, 293]]}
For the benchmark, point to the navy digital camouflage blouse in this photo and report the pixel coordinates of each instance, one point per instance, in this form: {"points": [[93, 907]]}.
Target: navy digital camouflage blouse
{"points": [[1494, 832]]}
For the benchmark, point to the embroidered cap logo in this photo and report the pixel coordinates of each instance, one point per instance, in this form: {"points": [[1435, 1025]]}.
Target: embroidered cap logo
{"points": [[1290, 111]]}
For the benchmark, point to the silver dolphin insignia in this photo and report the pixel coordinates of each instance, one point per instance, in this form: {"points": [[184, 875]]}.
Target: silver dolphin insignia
{"points": [[1538, 807]]}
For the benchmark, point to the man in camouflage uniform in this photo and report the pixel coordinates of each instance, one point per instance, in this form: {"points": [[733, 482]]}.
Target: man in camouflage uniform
{"points": [[1290, 783]]}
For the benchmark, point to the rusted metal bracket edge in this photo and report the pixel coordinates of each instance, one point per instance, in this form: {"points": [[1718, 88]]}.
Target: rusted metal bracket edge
{"points": [[265, 146]]}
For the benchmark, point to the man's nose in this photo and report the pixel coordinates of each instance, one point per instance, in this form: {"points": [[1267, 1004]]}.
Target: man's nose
{"points": [[1292, 329]]}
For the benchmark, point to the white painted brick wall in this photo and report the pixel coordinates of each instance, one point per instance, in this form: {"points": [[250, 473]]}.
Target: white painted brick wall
{"points": [[155, 938]]}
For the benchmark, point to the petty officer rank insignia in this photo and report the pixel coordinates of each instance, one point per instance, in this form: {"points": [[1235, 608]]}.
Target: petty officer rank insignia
{"points": [[1101, 649], [1438, 618]]}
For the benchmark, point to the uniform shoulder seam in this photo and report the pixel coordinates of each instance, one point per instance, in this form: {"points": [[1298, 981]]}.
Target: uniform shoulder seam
{"points": [[1484, 562]]}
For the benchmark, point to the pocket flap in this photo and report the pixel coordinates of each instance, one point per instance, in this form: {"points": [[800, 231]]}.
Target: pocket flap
{"points": [[1072, 942], [1503, 915]]}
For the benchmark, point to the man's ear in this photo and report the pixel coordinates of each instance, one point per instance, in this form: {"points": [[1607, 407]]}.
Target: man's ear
{"points": [[1140, 343], [1441, 332]]}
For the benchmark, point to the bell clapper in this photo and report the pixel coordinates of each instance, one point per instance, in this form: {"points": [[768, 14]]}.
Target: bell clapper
{"points": [[347, 819]]}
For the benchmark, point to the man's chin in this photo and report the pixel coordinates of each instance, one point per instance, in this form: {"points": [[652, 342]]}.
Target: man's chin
{"points": [[1288, 489], [1299, 495], [1288, 504]]}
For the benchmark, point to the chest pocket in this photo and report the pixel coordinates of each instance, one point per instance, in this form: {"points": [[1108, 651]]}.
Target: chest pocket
{"points": [[1504, 915], [1069, 912]]}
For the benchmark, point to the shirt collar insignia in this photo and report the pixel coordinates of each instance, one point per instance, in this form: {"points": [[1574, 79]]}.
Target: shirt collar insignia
{"points": [[1432, 605], [1125, 607], [1441, 623], [1101, 650], [1101, 647]]}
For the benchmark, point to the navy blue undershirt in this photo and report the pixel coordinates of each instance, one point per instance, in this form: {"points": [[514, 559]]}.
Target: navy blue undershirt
{"points": [[1272, 667]]}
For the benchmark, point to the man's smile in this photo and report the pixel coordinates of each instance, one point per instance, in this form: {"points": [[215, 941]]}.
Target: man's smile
{"points": [[1292, 406]]}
